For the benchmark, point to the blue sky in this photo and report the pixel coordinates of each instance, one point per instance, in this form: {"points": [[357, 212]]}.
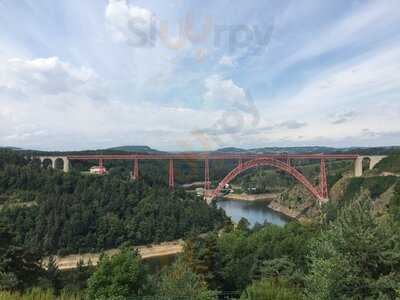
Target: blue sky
{"points": [[191, 75]]}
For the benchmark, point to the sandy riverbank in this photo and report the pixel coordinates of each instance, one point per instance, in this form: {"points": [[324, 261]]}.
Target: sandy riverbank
{"points": [[164, 249], [246, 197]]}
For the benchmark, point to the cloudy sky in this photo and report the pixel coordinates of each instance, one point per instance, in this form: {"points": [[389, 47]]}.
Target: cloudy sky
{"points": [[192, 75]]}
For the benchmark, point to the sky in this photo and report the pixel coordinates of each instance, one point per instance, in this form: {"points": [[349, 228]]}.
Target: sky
{"points": [[199, 75]]}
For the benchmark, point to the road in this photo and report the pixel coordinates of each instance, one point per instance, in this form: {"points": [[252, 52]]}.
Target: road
{"points": [[164, 249]]}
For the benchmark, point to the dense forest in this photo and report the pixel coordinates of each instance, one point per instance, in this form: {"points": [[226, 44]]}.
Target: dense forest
{"points": [[350, 251], [69, 213], [352, 254]]}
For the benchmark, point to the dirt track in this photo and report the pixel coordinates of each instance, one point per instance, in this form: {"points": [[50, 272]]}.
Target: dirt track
{"points": [[164, 249]]}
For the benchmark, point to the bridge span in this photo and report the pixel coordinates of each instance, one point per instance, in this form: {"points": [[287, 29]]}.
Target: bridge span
{"points": [[282, 162]]}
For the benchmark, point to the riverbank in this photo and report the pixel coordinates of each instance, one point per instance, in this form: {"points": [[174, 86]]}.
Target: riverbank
{"points": [[146, 252], [272, 203], [284, 210], [245, 197]]}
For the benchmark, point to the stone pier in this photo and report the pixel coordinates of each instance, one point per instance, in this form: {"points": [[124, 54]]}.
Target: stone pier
{"points": [[373, 161]]}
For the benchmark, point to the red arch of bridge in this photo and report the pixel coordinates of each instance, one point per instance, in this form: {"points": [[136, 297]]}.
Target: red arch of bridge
{"points": [[273, 163]]}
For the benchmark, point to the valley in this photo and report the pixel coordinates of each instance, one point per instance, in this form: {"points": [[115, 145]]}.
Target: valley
{"points": [[75, 225]]}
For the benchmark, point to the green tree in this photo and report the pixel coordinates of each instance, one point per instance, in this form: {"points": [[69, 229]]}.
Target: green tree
{"points": [[281, 267], [122, 275], [394, 205], [356, 258], [243, 225], [80, 275], [53, 275], [19, 267], [180, 282]]}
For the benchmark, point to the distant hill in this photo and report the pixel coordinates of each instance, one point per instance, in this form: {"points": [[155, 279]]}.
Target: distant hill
{"points": [[310, 149], [263, 150], [313, 149], [113, 150], [11, 148], [231, 150], [141, 149]]}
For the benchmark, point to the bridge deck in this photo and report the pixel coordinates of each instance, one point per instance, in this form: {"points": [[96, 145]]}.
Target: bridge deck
{"points": [[203, 156]]}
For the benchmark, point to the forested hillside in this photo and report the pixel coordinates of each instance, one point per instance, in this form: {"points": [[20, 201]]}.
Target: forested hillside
{"points": [[65, 213], [389, 164], [349, 252]]}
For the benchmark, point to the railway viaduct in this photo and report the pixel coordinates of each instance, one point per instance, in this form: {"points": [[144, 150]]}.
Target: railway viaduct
{"points": [[282, 162]]}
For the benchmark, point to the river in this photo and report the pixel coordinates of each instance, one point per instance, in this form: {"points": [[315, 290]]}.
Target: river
{"points": [[253, 211]]}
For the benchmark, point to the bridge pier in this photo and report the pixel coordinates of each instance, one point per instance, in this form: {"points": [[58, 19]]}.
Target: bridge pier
{"points": [[322, 180], [358, 168], [206, 175], [135, 171], [373, 161], [66, 164], [171, 174], [53, 164]]}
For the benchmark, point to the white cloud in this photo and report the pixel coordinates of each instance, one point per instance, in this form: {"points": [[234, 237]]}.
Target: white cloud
{"points": [[45, 76], [226, 61], [60, 108], [86, 123], [340, 101], [341, 118], [130, 24], [292, 124], [224, 91], [58, 111]]}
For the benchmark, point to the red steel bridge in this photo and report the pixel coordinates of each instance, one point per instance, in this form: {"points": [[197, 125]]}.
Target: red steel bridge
{"points": [[245, 162]]}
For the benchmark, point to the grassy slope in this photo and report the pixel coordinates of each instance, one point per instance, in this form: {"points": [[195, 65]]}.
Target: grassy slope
{"points": [[390, 164]]}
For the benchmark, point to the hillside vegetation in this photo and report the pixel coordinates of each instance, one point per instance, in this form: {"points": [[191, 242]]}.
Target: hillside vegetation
{"points": [[75, 213], [389, 164]]}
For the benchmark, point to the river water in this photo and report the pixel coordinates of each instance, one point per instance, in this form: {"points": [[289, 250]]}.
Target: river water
{"points": [[253, 211]]}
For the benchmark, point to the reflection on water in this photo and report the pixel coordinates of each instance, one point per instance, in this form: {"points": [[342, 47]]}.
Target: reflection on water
{"points": [[253, 211]]}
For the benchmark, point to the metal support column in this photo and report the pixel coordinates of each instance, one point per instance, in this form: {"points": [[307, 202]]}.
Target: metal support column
{"points": [[171, 174], [322, 180]]}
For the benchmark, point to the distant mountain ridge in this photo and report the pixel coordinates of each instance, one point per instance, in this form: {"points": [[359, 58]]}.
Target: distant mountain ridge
{"points": [[10, 148], [231, 150], [312, 149], [141, 149], [263, 150]]}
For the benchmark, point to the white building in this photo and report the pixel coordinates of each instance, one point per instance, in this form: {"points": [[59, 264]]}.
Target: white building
{"points": [[98, 170]]}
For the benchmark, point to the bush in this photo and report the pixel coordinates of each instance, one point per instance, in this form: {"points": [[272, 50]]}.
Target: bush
{"points": [[122, 275], [271, 290], [38, 294], [355, 258]]}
